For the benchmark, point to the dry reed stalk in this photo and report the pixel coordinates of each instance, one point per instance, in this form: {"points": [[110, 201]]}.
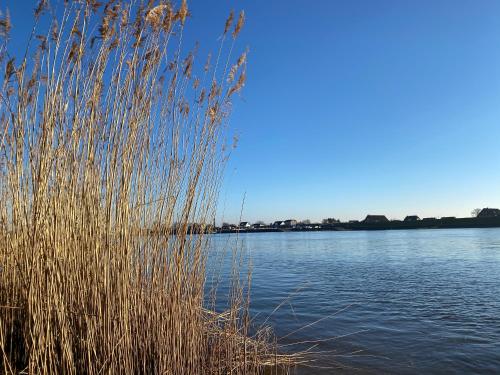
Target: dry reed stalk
{"points": [[109, 151]]}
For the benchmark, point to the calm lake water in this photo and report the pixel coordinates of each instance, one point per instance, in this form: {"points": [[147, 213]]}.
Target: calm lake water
{"points": [[393, 302]]}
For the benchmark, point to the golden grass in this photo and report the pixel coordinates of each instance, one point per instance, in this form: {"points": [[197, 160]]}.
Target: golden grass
{"points": [[106, 131]]}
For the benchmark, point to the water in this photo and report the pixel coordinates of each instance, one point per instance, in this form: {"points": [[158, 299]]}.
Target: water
{"points": [[394, 302]]}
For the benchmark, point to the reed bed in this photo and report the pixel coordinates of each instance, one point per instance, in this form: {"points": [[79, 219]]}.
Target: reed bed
{"points": [[112, 142]]}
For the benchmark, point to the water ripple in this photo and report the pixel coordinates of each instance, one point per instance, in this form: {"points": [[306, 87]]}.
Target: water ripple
{"points": [[424, 301]]}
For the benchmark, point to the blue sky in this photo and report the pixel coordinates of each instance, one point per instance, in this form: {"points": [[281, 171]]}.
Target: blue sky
{"points": [[359, 107]]}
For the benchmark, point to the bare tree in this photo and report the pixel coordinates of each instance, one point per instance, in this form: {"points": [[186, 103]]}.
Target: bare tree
{"points": [[475, 212]]}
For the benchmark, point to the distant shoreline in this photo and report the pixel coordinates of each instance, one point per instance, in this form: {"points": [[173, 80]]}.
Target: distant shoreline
{"points": [[443, 223]]}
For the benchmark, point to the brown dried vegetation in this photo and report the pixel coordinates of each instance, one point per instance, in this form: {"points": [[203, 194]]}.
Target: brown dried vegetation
{"points": [[98, 161]]}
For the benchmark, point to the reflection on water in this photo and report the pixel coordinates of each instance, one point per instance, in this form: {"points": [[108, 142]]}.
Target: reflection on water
{"points": [[406, 302]]}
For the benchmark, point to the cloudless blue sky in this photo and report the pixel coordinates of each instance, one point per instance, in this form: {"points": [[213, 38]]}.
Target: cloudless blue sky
{"points": [[359, 106]]}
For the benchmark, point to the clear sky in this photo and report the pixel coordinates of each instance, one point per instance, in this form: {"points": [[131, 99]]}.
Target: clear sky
{"points": [[359, 107], [355, 107]]}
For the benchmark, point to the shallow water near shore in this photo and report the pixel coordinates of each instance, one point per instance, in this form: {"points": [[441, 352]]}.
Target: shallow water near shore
{"points": [[393, 302]]}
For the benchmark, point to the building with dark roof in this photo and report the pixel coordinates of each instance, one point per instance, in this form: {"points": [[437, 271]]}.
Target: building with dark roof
{"points": [[330, 220], [411, 218], [259, 225], [371, 219], [489, 212]]}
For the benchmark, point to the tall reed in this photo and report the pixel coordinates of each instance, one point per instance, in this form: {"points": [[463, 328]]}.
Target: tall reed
{"points": [[112, 144]]}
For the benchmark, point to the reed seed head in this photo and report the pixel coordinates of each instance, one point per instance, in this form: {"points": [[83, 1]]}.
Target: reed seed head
{"points": [[229, 22], [239, 24], [5, 24]]}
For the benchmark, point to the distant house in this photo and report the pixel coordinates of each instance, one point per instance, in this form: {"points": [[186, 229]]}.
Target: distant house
{"points": [[372, 219], [245, 224], [278, 224], [412, 218], [258, 225], [304, 225], [330, 220], [226, 226], [290, 223], [429, 219], [489, 212]]}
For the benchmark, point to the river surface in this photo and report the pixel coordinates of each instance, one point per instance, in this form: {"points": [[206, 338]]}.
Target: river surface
{"points": [[390, 302]]}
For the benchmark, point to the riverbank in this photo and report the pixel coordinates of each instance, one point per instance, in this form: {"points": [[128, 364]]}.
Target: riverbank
{"points": [[428, 223]]}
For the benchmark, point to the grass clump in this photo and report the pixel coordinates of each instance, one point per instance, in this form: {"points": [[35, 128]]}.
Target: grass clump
{"points": [[108, 133]]}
